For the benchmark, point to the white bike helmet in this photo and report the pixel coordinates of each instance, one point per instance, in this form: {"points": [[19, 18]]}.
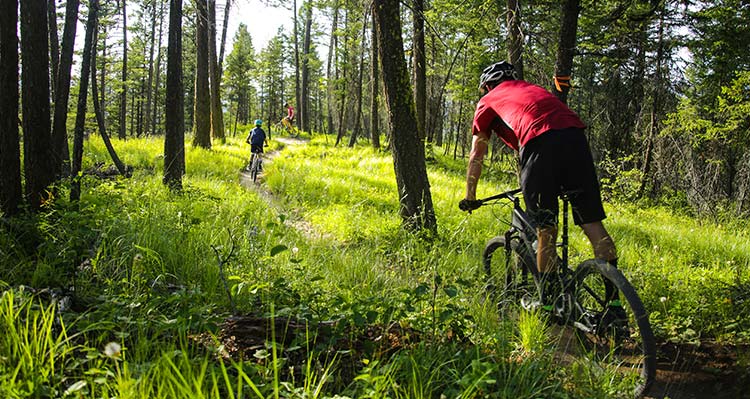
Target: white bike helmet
{"points": [[496, 73]]}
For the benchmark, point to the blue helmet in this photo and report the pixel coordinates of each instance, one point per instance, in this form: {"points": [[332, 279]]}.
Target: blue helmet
{"points": [[258, 122]]}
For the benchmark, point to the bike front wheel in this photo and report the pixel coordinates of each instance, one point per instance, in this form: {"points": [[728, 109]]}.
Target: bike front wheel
{"points": [[508, 273], [622, 336]]}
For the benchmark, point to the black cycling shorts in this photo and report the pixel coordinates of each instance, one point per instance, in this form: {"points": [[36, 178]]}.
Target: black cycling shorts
{"points": [[256, 148], [560, 161]]}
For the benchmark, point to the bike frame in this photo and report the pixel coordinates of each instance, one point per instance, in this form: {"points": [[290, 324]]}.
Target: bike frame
{"points": [[522, 224]]}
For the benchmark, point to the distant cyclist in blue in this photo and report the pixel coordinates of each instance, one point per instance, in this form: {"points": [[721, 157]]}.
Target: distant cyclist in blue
{"points": [[257, 138]]}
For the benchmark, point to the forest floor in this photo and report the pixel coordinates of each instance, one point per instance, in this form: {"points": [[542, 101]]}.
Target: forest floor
{"points": [[684, 371]]}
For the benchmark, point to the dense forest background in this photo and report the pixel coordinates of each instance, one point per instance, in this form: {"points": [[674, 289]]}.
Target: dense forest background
{"points": [[137, 260], [663, 85]]}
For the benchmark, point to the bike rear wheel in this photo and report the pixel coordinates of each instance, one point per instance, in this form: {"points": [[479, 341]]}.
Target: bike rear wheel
{"points": [[508, 276], [255, 167], [627, 343]]}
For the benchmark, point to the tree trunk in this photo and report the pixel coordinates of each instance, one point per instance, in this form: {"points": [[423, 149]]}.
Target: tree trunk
{"points": [[150, 82], [227, 7], [60, 147], [297, 96], [138, 104], [417, 212], [342, 90], [515, 35], [155, 116], [103, 69], [375, 87], [100, 114], [358, 110], [305, 101], [330, 82], [420, 66], [88, 48], [124, 88], [54, 44], [217, 113], [10, 149], [174, 115], [38, 166], [202, 108], [566, 48]]}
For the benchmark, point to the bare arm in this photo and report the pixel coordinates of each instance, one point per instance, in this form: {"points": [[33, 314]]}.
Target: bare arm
{"points": [[474, 169]]}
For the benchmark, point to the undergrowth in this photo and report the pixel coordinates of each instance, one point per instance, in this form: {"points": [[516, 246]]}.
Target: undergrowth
{"points": [[136, 291]]}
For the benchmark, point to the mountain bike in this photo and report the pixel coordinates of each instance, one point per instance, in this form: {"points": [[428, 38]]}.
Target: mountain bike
{"points": [[290, 128], [578, 300], [255, 165]]}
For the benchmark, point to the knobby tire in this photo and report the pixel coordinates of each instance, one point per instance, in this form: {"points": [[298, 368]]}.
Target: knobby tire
{"points": [[509, 276], [507, 273], [640, 342], [254, 167]]}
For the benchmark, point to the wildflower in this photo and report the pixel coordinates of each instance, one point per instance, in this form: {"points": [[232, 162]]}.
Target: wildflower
{"points": [[295, 250], [663, 299], [112, 350]]}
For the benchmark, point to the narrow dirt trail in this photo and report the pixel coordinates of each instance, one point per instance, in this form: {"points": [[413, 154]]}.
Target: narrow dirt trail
{"points": [[294, 219]]}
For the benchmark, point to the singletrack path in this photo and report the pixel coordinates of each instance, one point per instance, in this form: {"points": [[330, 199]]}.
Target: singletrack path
{"points": [[294, 218]]}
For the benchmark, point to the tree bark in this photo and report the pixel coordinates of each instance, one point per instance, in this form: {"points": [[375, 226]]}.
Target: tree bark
{"points": [[227, 7], [359, 93], [417, 212], [174, 138], [217, 114], [305, 101], [38, 166], [88, 48], [150, 82], [60, 148], [103, 69], [10, 148], [342, 90], [330, 82], [566, 47], [297, 94], [100, 114], [54, 44], [375, 87], [124, 88], [420, 66], [202, 108], [155, 116], [515, 35]]}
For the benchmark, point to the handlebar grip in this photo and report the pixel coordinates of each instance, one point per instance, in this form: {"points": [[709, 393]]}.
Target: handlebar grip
{"points": [[469, 205]]}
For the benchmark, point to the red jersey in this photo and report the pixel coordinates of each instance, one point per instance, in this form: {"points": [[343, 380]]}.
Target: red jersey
{"points": [[290, 112], [517, 111]]}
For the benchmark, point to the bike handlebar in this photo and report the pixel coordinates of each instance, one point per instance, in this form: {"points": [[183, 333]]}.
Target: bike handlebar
{"points": [[470, 205], [509, 195]]}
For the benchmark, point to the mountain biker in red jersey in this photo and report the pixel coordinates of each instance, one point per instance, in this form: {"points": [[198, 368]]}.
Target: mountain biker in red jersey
{"points": [[289, 113], [554, 156]]}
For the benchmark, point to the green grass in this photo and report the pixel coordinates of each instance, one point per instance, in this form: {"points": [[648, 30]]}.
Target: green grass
{"points": [[151, 270]]}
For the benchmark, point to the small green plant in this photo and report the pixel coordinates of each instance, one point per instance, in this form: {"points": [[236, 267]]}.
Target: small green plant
{"points": [[35, 348], [533, 337]]}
